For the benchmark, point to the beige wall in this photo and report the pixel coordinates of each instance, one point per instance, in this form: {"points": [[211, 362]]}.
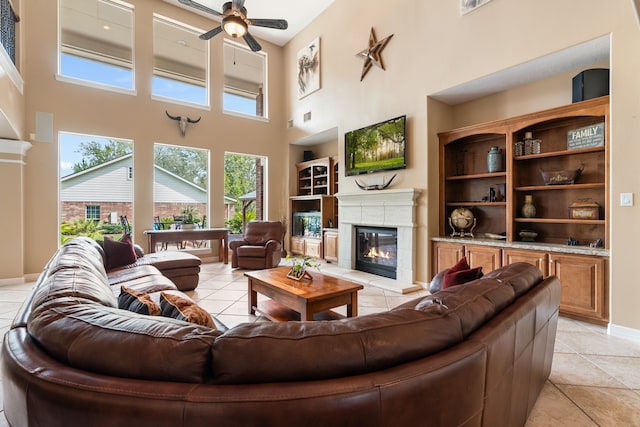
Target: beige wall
{"points": [[87, 110], [433, 49]]}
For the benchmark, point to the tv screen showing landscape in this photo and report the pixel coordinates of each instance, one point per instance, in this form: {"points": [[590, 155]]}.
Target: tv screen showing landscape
{"points": [[376, 148]]}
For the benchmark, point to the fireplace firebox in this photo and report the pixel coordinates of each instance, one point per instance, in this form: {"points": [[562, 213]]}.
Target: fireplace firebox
{"points": [[376, 250]]}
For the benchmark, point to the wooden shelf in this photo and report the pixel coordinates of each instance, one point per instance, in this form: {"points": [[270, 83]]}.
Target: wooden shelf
{"points": [[471, 204], [560, 153], [566, 187], [561, 221], [477, 176]]}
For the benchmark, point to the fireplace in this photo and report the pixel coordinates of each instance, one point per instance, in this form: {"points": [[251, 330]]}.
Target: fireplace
{"points": [[377, 250], [390, 208]]}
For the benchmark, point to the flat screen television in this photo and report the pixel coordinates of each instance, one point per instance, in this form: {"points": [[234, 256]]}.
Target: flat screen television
{"points": [[376, 148]]}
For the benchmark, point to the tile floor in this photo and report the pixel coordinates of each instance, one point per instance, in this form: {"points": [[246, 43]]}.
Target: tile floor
{"points": [[595, 379]]}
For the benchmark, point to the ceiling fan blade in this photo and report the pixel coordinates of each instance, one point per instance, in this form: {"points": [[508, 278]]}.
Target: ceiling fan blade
{"points": [[200, 7], [253, 43], [210, 34], [278, 24]]}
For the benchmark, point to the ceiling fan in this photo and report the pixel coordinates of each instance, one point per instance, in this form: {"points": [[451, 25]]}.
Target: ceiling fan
{"points": [[235, 22]]}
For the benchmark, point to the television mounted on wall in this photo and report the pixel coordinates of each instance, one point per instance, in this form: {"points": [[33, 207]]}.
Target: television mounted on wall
{"points": [[376, 148]]}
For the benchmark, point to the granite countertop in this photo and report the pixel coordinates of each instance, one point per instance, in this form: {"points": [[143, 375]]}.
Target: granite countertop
{"points": [[549, 247]]}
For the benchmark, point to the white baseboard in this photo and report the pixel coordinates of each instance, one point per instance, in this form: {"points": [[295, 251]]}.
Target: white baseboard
{"points": [[624, 332], [12, 281]]}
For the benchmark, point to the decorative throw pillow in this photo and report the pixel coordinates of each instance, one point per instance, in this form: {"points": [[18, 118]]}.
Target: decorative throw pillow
{"points": [[184, 309], [119, 253], [138, 302], [436, 282], [454, 278]]}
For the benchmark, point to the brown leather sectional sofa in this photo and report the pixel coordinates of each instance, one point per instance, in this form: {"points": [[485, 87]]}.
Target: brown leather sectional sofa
{"points": [[471, 355]]}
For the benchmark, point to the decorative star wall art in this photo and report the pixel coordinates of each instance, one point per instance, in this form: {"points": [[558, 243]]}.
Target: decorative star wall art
{"points": [[371, 55]]}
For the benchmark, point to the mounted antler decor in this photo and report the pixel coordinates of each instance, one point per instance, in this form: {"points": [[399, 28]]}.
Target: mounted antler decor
{"points": [[183, 122], [376, 186]]}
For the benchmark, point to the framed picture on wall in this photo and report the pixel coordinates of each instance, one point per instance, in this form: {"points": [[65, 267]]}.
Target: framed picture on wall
{"points": [[467, 6], [308, 63]]}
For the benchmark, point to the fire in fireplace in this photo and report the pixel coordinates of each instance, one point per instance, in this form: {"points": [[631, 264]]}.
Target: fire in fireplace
{"points": [[376, 250]]}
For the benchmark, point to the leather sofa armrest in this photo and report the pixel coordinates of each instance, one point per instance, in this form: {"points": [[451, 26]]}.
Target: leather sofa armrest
{"points": [[237, 243], [273, 245]]}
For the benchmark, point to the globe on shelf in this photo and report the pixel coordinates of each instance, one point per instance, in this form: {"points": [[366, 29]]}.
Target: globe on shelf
{"points": [[462, 222]]}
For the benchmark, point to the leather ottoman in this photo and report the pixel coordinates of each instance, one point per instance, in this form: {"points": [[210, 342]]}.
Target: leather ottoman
{"points": [[182, 268]]}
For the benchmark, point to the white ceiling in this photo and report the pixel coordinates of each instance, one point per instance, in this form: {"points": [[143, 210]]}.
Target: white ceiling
{"points": [[298, 13]]}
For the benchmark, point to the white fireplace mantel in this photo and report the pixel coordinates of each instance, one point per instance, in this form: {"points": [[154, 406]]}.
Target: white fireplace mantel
{"points": [[394, 208]]}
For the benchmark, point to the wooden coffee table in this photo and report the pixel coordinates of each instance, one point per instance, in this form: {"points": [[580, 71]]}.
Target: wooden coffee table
{"points": [[300, 300]]}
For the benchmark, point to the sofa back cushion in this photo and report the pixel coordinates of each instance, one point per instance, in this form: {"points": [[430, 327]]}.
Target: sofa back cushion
{"points": [[106, 340], [258, 233], [299, 351]]}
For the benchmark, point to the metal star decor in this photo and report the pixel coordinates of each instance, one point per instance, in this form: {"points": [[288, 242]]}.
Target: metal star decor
{"points": [[371, 54]]}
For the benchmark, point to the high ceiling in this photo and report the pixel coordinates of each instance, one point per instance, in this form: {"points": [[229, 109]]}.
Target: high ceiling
{"points": [[298, 13]]}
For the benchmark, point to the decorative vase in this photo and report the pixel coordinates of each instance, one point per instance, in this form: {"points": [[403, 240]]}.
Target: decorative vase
{"points": [[528, 210], [494, 160]]}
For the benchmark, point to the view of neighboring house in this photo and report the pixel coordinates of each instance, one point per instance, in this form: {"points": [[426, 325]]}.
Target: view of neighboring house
{"points": [[105, 192]]}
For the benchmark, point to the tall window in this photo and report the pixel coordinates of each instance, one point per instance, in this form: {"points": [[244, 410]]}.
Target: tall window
{"points": [[244, 189], [245, 80], [95, 185], [8, 20], [180, 62], [180, 189], [96, 43]]}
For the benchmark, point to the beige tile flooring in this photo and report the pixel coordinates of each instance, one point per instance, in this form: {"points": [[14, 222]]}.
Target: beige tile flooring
{"points": [[595, 379]]}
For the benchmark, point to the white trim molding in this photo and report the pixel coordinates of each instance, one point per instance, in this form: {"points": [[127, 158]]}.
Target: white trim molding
{"points": [[14, 146], [624, 332], [7, 66]]}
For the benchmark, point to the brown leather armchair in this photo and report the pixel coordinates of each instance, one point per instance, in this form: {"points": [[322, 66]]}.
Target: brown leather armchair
{"points": [[261, 246]]}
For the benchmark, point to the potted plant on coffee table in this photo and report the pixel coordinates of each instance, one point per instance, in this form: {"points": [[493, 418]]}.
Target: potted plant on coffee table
{"points": [[299, 266]]}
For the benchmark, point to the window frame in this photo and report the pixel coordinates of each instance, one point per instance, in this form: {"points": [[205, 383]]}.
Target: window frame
{"points": [[207, 62], [92, 56], [88, 208], [241, 92]]}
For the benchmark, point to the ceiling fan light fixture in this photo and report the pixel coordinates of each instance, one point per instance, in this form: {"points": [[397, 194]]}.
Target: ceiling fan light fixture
{"points": [[234, 26]]}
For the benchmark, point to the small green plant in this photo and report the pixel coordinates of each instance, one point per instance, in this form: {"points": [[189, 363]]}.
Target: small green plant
{"points": [[189, 215], [234, 224], [300, 264]]}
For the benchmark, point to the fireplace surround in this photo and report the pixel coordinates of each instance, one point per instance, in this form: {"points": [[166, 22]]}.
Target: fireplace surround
{"points": [[394, 208]]}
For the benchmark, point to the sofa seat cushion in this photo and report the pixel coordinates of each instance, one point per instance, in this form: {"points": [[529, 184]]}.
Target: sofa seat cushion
{"points": [[117, 277], [252, 251], [299, 351], [110, 341], [169, 260]]}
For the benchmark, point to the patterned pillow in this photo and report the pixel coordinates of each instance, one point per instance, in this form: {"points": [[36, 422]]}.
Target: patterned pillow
{"points": [[138, 302], [180, 308], [119, 253]]}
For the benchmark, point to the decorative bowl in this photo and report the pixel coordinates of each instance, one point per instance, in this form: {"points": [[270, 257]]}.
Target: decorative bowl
{"points": [[561, 177]]}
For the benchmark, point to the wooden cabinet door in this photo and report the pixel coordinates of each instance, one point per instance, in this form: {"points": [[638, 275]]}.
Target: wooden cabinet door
{"points": [[313, 248], [445, 255], [584, 286], [297, 246], [538, 258], [331, 246], [490, 258]]}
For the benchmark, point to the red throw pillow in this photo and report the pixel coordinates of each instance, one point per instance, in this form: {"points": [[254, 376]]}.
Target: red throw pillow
{"points": [[462, 264], [461, 276], [119, 253]]}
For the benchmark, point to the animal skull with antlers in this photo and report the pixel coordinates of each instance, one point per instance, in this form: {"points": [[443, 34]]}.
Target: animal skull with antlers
{"points": [[182, 122]]}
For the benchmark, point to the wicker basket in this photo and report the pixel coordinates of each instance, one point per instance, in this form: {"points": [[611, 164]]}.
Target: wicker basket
{"points": [[561, 177]]}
